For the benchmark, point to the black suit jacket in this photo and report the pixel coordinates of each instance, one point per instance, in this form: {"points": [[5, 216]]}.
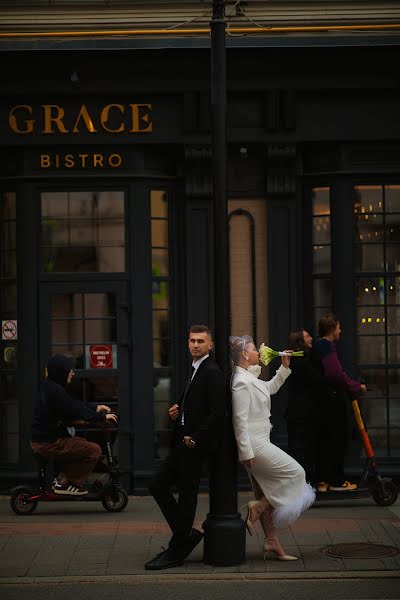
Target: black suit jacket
{"points": [[204, 407]]}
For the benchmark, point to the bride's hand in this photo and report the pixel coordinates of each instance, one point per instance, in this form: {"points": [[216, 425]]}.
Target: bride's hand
{"points": [[286, 359], [248, 463]]}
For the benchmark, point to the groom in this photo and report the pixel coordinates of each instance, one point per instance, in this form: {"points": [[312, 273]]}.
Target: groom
{"points": [[197, 418]]}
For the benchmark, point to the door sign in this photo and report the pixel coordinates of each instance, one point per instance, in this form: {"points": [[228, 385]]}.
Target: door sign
{"points": [[9, 330], [101, 356]]}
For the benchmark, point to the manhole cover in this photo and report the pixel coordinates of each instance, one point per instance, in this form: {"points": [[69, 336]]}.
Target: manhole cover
{"points": [[360, 551]]}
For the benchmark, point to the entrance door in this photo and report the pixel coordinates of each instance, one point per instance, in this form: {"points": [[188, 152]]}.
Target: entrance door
{"points": [[90, 322]]}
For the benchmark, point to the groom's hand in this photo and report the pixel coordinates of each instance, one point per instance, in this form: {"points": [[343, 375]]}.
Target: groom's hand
{"points": [[174, 412]]}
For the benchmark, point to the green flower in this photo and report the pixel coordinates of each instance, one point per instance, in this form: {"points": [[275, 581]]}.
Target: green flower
{"points": [[267, 354]]}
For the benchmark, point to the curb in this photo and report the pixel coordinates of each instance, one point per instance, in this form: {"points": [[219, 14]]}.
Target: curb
{"points": [[162, 578]]}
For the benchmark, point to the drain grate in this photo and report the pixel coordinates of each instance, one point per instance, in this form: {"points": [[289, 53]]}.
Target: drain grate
{"points": [[360, 550]]}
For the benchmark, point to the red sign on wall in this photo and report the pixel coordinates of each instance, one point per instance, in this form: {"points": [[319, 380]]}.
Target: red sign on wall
{"points": [[101, 356]]}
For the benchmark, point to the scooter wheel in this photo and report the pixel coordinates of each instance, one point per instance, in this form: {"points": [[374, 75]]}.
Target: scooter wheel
{"points": [[20, 503], [387, 494], [114, 500]]}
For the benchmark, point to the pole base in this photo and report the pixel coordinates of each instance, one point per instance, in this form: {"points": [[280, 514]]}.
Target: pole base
{"points": [[224, 540]]}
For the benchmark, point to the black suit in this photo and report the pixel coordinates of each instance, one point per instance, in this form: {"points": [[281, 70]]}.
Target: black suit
{"points": [[203, 404]]}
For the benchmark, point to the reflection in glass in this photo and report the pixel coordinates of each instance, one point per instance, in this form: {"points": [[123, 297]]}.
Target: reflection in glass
{"points": [[393, 319], [379, 441], [394, 382], [322, 259], [369, 228], [321, 201], [83, 231], [374, 413], [371, 320], [368, 199], [160, 294], [393, 227], [159, 234], [159, 204], [161, 353], [370, 290], [393, 257], [74, 350], [66, 331], [66, 305], [393, 290], [100, 331], [394, 436], [394, 412], [159, 262], [376, 382], [8, 301], [323, 292], [8, 206], [8, 235], [371, 350], [369, 257], [322, 230], [394, 348], [9, 422], [160, 323], [8, 264], [392, 198], [100, 305]]}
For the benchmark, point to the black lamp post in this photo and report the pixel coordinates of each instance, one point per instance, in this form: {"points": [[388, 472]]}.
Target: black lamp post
{"points": [[224, 530]]}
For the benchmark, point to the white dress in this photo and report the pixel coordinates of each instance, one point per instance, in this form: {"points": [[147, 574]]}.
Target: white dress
{"points": [[279, 476]]}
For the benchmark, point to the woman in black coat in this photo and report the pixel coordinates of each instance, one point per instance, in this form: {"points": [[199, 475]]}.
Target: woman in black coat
{"points": [[306, 389]]}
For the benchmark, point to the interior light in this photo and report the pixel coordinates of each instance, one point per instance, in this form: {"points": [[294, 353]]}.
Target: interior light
{"points": [[367, 289], [363, 320], [369, 320], [374, 288], [378, 320]]}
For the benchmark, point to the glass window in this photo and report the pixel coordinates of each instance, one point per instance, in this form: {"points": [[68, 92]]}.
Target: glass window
{"points": [[377, 252], [321, 239], [162, 347], [83, 231], [9, 409]]}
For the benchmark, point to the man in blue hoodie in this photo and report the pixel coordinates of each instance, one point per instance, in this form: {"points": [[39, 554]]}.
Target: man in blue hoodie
{"points": [[54, 437]]}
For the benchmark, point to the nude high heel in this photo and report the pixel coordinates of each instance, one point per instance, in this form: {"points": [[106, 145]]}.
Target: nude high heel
{"points": [[267, 550], [249, 525]]}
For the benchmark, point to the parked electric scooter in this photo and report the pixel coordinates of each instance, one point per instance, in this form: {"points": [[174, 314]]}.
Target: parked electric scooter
{"points": [[382, 489], [114, 498]]}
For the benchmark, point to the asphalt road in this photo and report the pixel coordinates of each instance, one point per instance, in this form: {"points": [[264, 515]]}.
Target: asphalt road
{"points": [[173, 589]]}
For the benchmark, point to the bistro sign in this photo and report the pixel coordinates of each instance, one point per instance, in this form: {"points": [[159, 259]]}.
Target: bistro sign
{"points": [[50, 119]]}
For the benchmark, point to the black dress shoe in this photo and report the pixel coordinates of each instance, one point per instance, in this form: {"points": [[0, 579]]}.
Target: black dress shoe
{"points": [[195, 538], [164, 560]]}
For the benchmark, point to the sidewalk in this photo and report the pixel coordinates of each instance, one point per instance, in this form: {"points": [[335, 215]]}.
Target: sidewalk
{"points": [[70, 540]]}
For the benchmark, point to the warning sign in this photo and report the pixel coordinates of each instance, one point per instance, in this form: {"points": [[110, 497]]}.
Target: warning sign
{"points": [[9, 330], [101, 356]]}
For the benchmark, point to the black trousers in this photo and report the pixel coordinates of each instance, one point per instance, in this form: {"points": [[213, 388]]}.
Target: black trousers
{"points": [[302, 445], [182, 468], [332, 440]]}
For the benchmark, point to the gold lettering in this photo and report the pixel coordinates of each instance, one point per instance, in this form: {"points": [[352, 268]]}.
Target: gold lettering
{"points": [[83, 114], [69, 161], [115, 160], [45, 161], [57, 118], [57, 160], [141, 113], [83, 158], [98, 160], [104, 118], [13, 123]]}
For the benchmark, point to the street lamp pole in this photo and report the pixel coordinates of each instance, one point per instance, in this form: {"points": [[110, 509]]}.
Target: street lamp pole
{"points": [[224, 530]]}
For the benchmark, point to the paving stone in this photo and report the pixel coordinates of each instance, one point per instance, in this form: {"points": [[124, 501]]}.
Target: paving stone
{"points": [[18, 554], [314, 560]]}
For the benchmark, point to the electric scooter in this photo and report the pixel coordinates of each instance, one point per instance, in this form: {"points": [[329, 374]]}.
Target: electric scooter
{"points": [[382, 489], [112, 495]]}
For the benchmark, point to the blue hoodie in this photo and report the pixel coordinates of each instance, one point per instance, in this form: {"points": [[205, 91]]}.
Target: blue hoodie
{"points": [[54, 408]]}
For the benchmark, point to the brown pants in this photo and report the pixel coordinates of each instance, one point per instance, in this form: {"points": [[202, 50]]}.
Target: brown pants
{"points": [[76, 456]]}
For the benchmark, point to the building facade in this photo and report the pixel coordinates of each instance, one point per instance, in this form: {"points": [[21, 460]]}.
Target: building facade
{"points": [[106, 209]]}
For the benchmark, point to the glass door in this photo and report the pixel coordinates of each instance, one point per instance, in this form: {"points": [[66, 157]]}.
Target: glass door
{"points": [[90, 322]]}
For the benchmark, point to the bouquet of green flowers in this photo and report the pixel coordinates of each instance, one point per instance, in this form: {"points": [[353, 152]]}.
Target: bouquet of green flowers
{"points": [[267, 354]]}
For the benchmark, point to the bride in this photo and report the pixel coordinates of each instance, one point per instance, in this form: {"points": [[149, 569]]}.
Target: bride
{"points": [[278, 481]]}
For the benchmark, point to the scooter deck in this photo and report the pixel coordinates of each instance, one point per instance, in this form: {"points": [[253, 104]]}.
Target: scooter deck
{"points": [[359, 493]]}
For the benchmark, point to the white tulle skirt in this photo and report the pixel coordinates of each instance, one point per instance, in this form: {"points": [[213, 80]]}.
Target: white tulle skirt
{"points": [[280, 477]]}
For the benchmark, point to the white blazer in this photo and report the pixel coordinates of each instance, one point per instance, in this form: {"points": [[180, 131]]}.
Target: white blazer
{"points": [[251, 405]]}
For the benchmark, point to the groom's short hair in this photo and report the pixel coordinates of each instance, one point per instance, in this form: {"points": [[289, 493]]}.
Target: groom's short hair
{"points": [[201, 329]]}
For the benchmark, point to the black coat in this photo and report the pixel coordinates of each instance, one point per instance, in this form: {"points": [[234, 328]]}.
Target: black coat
{"points": [[307, 390], [204, 407]]}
